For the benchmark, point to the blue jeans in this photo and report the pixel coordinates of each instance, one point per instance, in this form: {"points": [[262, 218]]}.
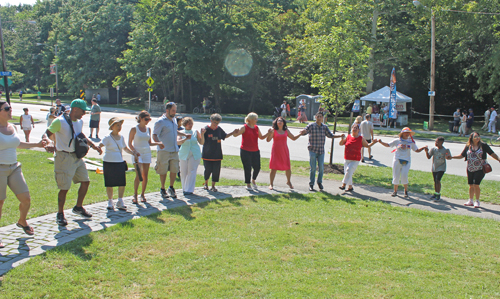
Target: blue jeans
{"points": [[312, 163]]}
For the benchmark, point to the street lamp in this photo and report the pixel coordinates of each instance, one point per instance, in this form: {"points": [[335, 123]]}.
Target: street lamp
{"points": [[55, 55], [433, 64]]}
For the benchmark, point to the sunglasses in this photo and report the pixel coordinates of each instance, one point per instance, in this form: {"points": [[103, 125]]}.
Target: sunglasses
{"points": [[147, 119], [8, 108]]}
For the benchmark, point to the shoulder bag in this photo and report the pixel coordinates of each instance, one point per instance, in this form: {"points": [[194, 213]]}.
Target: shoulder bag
{"points": [[81, 146]]}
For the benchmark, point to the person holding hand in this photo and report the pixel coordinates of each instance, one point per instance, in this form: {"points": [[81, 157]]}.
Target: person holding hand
{"points": [[402, 158], [189, 155]]}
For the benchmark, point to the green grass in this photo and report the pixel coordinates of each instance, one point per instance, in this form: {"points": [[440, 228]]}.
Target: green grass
{"points": [[453, 186], [39, 175], [288, 246]]}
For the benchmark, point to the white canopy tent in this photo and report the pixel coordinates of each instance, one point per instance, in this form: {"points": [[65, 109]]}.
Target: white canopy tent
{"points": [[384, 94]]}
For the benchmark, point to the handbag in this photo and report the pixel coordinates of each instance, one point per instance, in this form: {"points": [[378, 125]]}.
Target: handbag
{"points": [[81, 146], [487, 167]]}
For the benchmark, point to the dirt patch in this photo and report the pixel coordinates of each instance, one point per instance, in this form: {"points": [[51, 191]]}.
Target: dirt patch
{"points": [[334, 168]]}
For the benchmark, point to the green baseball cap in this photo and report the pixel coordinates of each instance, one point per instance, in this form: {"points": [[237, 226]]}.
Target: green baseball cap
{"points": [[79, 103]]}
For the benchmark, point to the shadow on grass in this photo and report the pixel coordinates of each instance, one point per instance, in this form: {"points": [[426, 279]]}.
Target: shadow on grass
{"points": [[184, 211], [75, 247]]}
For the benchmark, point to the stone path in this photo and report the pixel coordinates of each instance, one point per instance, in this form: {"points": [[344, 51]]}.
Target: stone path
{"points": [[19, 247]]}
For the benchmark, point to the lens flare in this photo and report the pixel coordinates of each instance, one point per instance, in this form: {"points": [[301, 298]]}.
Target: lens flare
{"points": [[238, 62]]}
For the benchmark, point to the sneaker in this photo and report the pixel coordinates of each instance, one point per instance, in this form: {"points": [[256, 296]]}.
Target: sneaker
{"points": [[171, 192], [110, 205], [438, 197], [476, 204], [249, 188], [433, 196], [469, 203], [394, 194], [254, 186], [311, 187], [320, 186], [120, 205], [60, 220], [96, 136], [81, 211], [406, 193], [163, 193]]}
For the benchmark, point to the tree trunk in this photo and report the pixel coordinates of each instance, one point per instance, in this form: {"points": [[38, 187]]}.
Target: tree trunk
{"points": [[182, 88], [371, 60], [217, 92]]}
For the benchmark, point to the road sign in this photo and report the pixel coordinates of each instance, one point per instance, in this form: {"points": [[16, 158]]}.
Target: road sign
{"points": [[5, 73], [150, 89], [9, 82], [431, 93], [82, 94], [150, 81]]}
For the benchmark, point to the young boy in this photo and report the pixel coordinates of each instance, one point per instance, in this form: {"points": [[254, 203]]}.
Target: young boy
{"points": [[440, 154]]}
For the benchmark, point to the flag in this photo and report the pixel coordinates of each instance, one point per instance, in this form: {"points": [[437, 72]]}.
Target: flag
{"points": [[392, 101], [52, 69]]}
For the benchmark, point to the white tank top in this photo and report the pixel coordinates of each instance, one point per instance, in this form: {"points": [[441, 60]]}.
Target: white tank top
{"points": [[26, 122], [8, 145], [141, 139]]}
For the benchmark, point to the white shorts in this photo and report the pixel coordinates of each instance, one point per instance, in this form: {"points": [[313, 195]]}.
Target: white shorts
{"points": [[145, 154]]}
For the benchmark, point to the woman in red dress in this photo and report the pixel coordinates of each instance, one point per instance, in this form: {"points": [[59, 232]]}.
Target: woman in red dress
{"points": [[280, 156], [352, 154]]}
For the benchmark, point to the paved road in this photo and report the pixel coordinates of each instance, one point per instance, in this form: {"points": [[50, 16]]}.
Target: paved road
{"points": [[298, 149]]}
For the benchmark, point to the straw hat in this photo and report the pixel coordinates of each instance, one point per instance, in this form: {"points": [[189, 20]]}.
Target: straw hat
{"points": [[113, 121], [406, 130]]}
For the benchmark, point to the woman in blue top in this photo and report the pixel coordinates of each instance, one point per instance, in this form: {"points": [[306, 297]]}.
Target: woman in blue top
{"points": [[189, 155]]}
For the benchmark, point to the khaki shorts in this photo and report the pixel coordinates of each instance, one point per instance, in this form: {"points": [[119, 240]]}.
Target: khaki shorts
{"points": [[12, 176], [167, 161], [67, 168]]}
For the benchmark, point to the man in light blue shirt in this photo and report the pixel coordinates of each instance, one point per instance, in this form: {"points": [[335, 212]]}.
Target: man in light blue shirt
{"points": [[165, 131]]}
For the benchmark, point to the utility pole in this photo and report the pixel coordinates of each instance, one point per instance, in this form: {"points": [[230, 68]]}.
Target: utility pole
{"points": [[433, 70], [5, 79]]}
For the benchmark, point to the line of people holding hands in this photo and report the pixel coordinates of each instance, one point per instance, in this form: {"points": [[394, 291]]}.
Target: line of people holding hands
{"points": [[182, 151]]}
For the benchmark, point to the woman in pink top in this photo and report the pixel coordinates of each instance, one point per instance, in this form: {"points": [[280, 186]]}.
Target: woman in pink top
{"points": [[352, 154], [280, 156], [249, 150]]}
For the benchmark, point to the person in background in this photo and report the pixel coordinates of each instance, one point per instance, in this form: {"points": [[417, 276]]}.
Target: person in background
{"points": [[280, 156], [27, 124], [287, 110], [369, 109], [352, 154], [393, 120], [21, 95], [302, 116], [486, 119], [439, 156], [283, 109], [402, 158], [475, 153], [463, 122], [190, 155], [366, 130], [470, 120], [51, 116], [205, 105], [212, 150], [376, 109], [95, 118], [492, 122], [139, 142], [317, 133], [249, 150], [98, 97], [60, 108], [456, 120], [358, 120], [11, 174], [114, 166]]}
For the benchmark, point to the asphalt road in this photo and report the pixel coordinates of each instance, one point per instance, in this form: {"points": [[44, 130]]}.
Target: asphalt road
{"points": [[298, 149]]}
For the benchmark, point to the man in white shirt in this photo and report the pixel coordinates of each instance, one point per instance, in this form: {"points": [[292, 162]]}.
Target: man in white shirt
{"points": [[492, 125], [486, 119], [283, 110], [366, 129], [67, 167]]}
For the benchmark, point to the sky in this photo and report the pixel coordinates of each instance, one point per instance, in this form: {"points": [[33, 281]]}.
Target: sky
{"points": [[16, 2]]}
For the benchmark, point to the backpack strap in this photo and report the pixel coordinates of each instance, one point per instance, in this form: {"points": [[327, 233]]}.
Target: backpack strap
{"points": [[68, 120]]}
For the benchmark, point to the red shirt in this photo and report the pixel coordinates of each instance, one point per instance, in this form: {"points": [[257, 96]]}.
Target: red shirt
{"points": [[249, 139], [353, 148]]}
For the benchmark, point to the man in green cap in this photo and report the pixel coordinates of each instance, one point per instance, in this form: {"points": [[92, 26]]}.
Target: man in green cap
{"points": [[67, 167]]}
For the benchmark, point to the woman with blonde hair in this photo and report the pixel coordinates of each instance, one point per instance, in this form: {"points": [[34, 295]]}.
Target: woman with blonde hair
{"points": [[139, 142], [189, 155], [249, 150]]}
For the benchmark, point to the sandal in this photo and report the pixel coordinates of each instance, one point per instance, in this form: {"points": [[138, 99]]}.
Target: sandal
{"points": [[143, 198], [213, 189], [342, 187], [27, 229], [134, 200], [205, 187], [350, 190], [290, 185]]}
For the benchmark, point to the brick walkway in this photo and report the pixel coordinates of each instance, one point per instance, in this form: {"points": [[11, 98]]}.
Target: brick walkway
{"points": [[19, 247]]}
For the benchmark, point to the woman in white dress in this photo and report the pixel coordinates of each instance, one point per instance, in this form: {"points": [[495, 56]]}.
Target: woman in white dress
{"points": [[189, 155], [139, 142], [26, 122]]}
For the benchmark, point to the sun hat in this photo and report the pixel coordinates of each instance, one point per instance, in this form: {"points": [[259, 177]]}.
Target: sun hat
{"points": [[113, 121], [406, 130], [79, 103]]}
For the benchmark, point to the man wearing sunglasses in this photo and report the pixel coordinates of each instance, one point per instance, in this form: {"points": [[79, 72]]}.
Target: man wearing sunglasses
{"points": [[165, 131]]}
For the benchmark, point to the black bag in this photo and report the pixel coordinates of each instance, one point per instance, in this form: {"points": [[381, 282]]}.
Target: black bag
{"points": [[81, 146]]}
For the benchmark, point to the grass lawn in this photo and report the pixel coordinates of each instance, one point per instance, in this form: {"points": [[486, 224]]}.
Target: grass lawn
{"points": [[39, 175], [288, 246], [453, 186]]}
